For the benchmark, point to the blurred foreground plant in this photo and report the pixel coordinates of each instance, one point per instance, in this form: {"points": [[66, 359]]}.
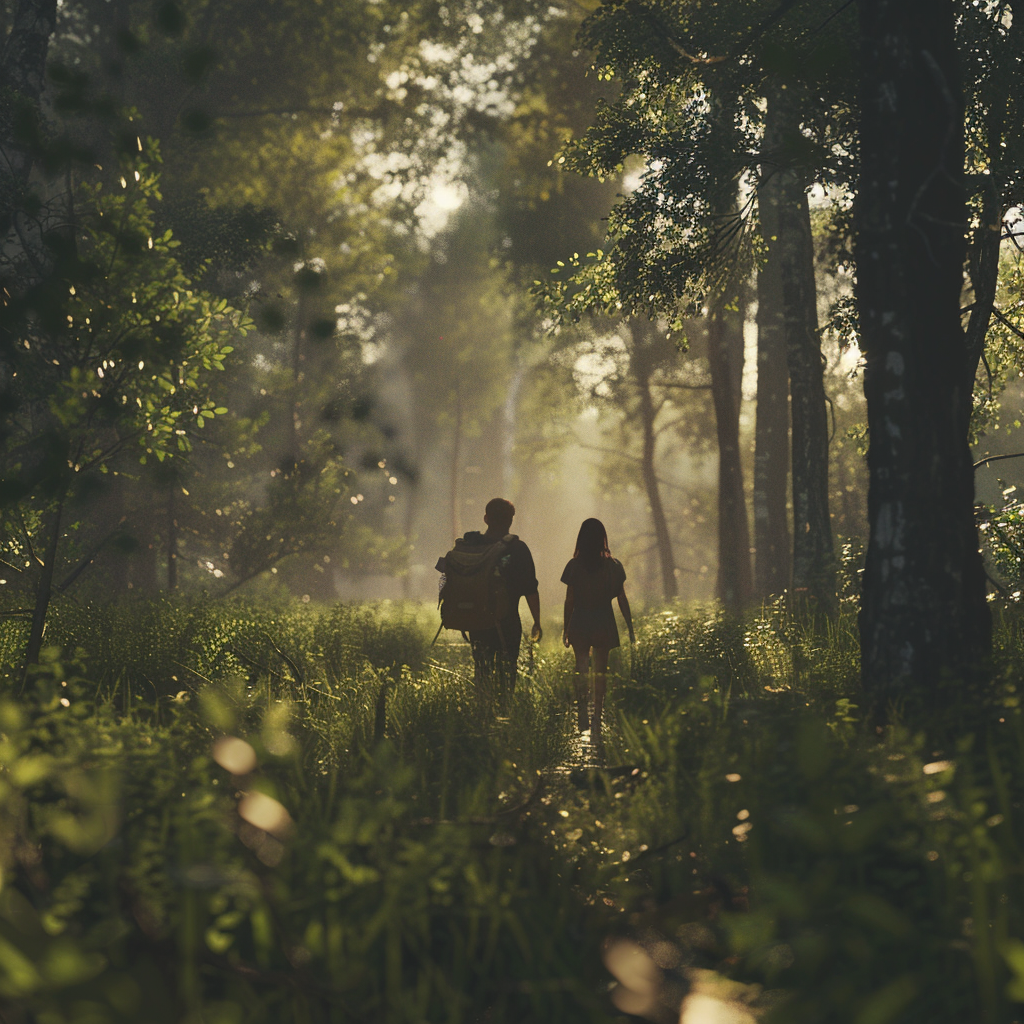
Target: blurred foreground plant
{"points": [[183, 860]]}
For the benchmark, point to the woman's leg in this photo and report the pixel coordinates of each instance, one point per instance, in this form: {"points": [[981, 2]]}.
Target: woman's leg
{"points": [[600, 684], [579, 680]]}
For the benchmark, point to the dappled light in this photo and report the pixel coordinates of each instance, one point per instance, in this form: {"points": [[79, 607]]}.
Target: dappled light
{"points": [[234, 755]]}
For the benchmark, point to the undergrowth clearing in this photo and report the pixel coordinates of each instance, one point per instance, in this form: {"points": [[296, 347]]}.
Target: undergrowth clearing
{"points": [[238, 812]]}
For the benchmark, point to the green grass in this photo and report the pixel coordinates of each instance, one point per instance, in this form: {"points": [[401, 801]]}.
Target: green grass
{"points": [[439, 863]]}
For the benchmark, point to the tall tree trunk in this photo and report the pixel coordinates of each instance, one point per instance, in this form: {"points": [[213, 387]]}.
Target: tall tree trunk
{"points": [[771, 431], [725, 357], [44, 589], [924, 621], [814, 566], [640, 368], [791, 247]]}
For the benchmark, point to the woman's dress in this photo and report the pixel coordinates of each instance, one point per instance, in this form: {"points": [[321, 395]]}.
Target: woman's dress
{"points": [[592, 623]]}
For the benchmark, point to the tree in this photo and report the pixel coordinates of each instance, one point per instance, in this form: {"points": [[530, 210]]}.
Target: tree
{"points": [[786, 230], [110, 371], [450, 352], [340, 152], [772, 565], [924, 619], [990, 42], [639, 368], [725, 358], [707, 104]]}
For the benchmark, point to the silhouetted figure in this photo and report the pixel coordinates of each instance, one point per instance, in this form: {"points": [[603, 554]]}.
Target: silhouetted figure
{"points": [[592, 579], [496, 651]]}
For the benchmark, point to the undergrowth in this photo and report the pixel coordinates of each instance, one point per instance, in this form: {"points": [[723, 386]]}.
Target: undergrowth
{"points": [[228, 813]]}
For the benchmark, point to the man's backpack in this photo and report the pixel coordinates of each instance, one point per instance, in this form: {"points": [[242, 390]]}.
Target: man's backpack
{"points": [[473, 594]]}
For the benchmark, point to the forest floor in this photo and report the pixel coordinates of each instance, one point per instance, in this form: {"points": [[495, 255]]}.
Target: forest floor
{"points": [[238, 812]]}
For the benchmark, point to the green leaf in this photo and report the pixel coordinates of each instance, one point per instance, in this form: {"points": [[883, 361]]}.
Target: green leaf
{"points": [[888, 1003], [1013, 953]]}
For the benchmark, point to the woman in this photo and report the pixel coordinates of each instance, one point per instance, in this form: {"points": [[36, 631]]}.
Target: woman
{"points": [[592, 579]]}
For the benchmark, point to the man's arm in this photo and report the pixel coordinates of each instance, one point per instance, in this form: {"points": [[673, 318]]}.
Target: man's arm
{"points": [[533, 601], [527, 580]]}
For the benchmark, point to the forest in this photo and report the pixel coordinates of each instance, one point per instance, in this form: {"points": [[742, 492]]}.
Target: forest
{"points": [[290, 290]]}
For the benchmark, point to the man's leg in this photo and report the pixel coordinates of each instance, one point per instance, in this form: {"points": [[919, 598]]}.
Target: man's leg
{"points": [[508, 661], [486, 647]]}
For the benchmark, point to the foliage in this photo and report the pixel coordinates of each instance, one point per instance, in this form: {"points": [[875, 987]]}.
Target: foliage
{"points": [[773, 838], [269, 136], [111, 354], [748, 824], [1004, 349], [632, 371], [383, 891], [692, 107], [115, 348], [153, 649], [1002, 533]]}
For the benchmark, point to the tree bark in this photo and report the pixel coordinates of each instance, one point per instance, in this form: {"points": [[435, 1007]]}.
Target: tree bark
{"points": [[790, 246], [771, 430], [725, 357], [924, 621]]}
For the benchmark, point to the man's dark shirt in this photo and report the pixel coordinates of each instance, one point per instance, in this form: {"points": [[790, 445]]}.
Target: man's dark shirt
{"points": [[498, 648], [520, 576], [516, 565]]}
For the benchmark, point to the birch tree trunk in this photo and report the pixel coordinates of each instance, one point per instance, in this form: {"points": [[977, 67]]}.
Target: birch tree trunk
{"points": [[924, 623]]}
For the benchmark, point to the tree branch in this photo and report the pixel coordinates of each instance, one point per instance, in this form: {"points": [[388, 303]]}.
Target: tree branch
{"points": [[686, 387], [630, 458], [997, 458], [1006, 323]]}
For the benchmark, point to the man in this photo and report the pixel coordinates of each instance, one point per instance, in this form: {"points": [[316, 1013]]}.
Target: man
{"points": [[496, 650]]}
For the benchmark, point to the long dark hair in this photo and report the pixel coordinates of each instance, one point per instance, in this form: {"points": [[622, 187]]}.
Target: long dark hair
{"points": [[592, 543]]}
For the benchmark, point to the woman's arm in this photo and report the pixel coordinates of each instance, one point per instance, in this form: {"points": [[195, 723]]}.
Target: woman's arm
{"points": [[626, 613], [566, 615]]}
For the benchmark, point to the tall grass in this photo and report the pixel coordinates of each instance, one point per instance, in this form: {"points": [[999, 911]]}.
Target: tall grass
{"points": [[399, 852]]}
